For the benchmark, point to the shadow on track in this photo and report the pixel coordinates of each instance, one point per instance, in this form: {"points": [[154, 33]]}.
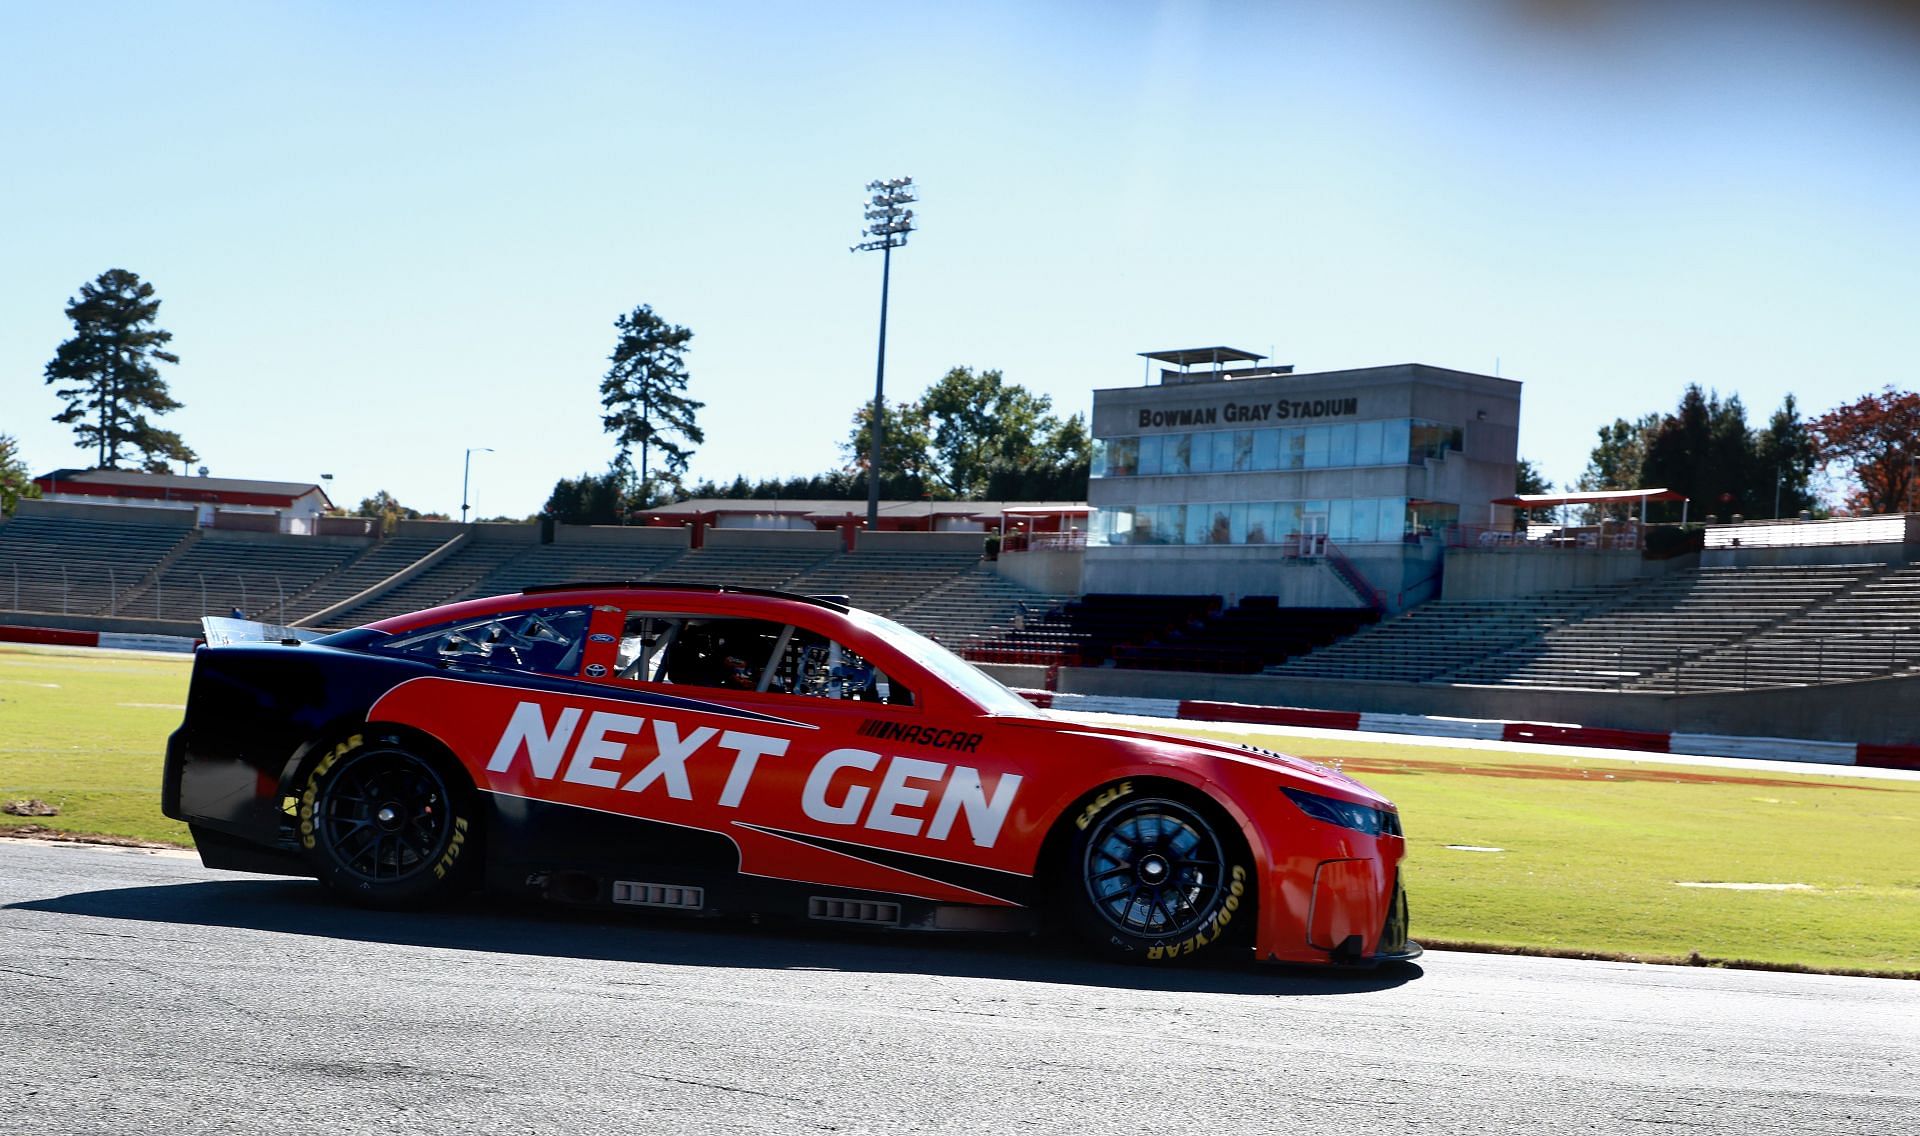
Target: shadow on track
{"points": [[302, 908]]}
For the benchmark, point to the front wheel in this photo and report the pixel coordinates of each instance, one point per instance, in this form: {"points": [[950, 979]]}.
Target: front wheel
{"points": [[383, 825], [1154, 878]]}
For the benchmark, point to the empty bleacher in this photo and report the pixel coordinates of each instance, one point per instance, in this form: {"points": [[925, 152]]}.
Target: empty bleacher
{"points": [[884, 581], [1620, 636], [973, 606], [52, 562], [567, 563], [453, 577], [1438, 638], [1086, 631], [1247, 638], [381, 560], [743, 566], [1671, 619], [221, 572], [1866, 631]]}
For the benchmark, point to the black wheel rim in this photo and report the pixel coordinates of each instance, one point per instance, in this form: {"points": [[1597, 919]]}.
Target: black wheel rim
{"points": [[384, 816], [1154, 868]]}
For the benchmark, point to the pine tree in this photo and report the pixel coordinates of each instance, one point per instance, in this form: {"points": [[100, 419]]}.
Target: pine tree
{"points": [[112, 383], [645, 400]]}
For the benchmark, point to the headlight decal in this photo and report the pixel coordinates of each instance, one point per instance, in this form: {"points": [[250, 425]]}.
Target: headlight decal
{"points": [[1345, 814]]}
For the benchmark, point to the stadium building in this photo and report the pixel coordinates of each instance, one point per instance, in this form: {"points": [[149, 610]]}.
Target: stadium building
{"points": [[1322, 489]]}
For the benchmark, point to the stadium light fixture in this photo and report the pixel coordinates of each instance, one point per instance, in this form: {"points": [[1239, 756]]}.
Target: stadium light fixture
{"points": [[888, 223], [466, 476]]}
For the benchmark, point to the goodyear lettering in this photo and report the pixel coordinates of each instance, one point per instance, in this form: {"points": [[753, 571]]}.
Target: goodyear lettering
{"points": [[1214, 927], [1106, 797], [918, 735], [312, 791], [445, 864]]}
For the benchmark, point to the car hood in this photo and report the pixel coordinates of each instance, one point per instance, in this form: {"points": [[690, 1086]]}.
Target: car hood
{"points": [[1305, 774]]}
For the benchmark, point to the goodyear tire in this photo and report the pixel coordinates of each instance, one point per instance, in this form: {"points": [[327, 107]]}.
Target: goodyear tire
{"points": [[385, 825], [1153, 875]]}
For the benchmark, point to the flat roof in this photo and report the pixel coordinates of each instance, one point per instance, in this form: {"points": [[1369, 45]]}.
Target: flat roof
{"points": [[1598, 497], [1188, 356]]}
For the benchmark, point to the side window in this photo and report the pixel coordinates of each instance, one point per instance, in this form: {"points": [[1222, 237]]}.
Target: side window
{"points": [[747, 654], [815, 666], [548, 641]]}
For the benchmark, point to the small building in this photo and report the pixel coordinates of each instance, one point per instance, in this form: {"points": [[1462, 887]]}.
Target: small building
{"points": [[1004, 517], [1230, 477], [219, 502]]}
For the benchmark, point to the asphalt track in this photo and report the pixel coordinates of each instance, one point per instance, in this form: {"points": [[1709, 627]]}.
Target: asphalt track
{"points": [[146, 994]]}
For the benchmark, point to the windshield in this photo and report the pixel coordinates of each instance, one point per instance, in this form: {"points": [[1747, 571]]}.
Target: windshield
{"points": [[956, 671]]}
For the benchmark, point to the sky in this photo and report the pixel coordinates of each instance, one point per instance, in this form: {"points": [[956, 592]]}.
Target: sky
{"points": [[383, 234]]}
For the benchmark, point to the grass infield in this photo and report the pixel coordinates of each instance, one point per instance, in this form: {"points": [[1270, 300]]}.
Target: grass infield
{"points": [[1592, 853]]}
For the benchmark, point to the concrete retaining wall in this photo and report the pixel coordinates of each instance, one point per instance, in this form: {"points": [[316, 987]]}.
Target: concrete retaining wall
{"points": [[1878, 711], [633, 536], [180, 516], [1056, 572], [818, 540], [921, 542], [1499, 574]]}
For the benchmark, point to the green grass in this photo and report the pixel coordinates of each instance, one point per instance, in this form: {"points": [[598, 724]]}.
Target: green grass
{"points": [[87, 731], [1594, 848]]}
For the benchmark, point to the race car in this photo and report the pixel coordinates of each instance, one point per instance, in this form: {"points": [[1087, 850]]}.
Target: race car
{"points": [[729, 751]]}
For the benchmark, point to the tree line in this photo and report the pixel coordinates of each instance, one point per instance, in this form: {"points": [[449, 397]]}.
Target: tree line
{"points": [[1705, 449], [974, 435]]}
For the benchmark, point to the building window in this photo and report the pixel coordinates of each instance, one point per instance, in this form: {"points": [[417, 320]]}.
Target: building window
{"points": [[1333, 445], [1364, 520]]}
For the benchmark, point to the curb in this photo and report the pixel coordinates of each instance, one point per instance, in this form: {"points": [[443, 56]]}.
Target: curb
{"points": [[1540, 733], [60, 637]]}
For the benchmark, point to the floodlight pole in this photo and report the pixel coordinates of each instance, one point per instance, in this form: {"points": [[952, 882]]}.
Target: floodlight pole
{"points": [[888, 223], [466, 476]]}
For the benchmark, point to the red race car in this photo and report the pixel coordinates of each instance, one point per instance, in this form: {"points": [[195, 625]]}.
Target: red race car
{"points": [[712, 750]]}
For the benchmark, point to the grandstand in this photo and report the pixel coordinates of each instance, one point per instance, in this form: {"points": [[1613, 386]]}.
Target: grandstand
{"points": [[1086, 631], [885, 581], [254, 573], [1621, 636], [455, 575], [61, 562], [1244, 639], [382, 561], [967, 607], [1725, 627], [746, 566]]}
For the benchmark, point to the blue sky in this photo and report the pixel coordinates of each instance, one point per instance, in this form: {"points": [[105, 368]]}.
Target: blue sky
{"points": [[385, 233]]}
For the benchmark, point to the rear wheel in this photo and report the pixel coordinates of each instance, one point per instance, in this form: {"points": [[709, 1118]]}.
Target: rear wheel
{"points": [[384, 825], [1155, 877]]}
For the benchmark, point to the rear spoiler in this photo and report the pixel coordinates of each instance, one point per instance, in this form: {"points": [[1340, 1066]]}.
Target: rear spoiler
{"points": [[219, 631]]}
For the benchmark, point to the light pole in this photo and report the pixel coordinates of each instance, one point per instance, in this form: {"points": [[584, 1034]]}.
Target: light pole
{"points": [[888, 223], [466, 475]]}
